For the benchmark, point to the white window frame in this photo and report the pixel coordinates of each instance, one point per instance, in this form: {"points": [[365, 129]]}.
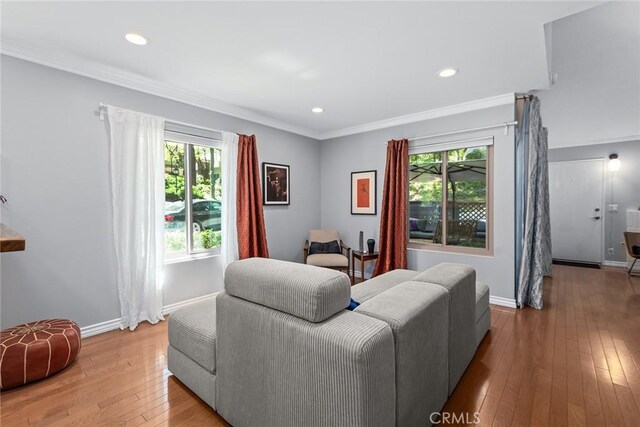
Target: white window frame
{"points": [[188, 140], [485, 141]]}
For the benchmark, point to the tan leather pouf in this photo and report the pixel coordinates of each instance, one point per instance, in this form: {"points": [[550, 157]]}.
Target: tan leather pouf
{"points": [[36, 350]]}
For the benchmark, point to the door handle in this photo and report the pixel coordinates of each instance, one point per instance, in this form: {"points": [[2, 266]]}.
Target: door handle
{"points": [[595, 217]]}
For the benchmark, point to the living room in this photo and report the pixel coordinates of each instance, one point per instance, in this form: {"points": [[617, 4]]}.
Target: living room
{"points": [[312, 94]]}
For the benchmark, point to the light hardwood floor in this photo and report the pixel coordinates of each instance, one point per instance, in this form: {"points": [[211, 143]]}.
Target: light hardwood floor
{"points": [[576, 362]]}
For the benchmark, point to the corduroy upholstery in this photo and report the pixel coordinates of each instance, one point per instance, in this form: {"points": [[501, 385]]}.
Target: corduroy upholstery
{"points": [[276, 369], [460, 282], [198, 379], [305, 291], [372, 287], [483, 313], [289, 354], [193, 332], [417, 314], [482, 299]]}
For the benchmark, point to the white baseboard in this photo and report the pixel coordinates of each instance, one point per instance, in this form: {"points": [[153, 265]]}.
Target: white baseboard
{"points": [[504, 302], [168, 309], [621, 264], [112, 325], [100, 328]]}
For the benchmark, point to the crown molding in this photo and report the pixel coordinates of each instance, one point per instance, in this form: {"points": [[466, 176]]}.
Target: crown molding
{"points": [[109, 74], [480, 104], [583, 143]]}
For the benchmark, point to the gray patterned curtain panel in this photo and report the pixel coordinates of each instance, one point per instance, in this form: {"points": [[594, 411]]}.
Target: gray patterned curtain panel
{"points": [[533, 230]]}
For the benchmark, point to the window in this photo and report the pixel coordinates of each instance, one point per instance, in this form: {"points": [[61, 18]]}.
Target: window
{"points": [[449, 198], [193, 202]]}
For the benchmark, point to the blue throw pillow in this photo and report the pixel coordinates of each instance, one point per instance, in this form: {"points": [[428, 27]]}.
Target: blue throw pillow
{"points": [[316, 248], [331, 247], [353, 304]]}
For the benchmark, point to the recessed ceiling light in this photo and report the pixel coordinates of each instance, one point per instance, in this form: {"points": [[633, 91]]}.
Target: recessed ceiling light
{"points": [[136, 39], [447, 72], [317, 109]]}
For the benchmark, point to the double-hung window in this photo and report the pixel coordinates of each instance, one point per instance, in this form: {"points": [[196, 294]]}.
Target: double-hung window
{"points": [[193, 194], [450, 196]]}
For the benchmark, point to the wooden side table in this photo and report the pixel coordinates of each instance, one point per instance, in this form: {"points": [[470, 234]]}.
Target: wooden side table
{"points": [[10, 241], [363, 257]]}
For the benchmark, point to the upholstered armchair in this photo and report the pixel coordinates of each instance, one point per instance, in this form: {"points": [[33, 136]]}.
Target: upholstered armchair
{"points": [[324, 248], [632, 241]]}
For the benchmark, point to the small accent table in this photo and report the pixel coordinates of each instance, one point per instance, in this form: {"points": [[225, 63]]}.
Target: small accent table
{"points": [[363, 257], [10, 241]]}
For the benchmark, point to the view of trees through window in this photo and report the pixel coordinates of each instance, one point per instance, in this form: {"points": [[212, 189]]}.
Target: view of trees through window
{"points": [[463, 172], [198, 220]]}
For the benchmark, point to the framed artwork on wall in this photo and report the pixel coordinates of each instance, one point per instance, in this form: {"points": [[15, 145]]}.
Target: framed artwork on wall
{"points": [[275, 184], [363, 193]]}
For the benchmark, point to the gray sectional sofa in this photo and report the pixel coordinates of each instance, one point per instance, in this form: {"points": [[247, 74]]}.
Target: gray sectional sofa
{"points": [[279, 348]]}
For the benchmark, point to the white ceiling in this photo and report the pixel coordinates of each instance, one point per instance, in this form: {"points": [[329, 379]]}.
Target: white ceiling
{"points": [[361, 61]]}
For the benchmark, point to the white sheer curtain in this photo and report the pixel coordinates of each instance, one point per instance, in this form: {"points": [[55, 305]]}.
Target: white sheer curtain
{"points": [[137, 189], [229, 250]]}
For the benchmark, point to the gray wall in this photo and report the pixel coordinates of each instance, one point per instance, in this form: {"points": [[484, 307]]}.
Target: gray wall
{"points": [[54, 158], [596, 54], [367, 151], [621, 187]]}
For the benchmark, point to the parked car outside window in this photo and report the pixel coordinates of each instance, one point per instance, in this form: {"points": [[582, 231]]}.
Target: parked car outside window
{"points": [[206, 214]]}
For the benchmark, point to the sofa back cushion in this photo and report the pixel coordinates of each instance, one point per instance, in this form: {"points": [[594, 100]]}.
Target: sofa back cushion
{"points": [[304, 291]]}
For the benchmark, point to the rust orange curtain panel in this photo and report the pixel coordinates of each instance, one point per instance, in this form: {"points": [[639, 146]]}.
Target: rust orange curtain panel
{"points": [[393, 221], [252, 236]]}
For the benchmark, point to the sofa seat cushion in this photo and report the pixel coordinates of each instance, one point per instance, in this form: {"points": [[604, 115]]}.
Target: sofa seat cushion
{"points": [[482, 299], [372, 287], [192, 330], [328, 260]]}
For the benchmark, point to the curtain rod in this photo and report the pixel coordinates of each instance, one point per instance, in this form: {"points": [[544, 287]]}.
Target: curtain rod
{"points": [[103, 107], [505, 125]]}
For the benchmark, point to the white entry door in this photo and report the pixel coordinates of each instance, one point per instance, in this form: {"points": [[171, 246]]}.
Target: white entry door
{"points": [[576, 198]]}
